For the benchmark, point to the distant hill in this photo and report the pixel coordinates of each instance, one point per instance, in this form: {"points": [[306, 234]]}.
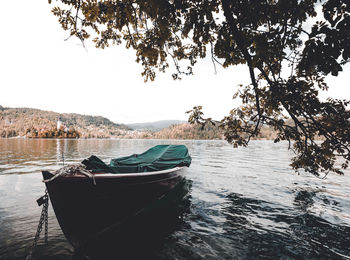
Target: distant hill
{"points": [[36, 123], [193, 131], [189, 131], [32, 122], [155, 126]]}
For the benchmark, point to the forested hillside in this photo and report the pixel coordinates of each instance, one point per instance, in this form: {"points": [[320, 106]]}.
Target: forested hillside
{"points": [[31, 122], [188, 131], [35, 123], [193, 131]]}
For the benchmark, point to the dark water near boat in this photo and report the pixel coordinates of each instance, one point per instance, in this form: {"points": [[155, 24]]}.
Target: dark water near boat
{"points": [[241, 204]]}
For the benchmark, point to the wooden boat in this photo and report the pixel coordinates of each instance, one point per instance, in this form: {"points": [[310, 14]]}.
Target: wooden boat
{"points": [[86, 210]]}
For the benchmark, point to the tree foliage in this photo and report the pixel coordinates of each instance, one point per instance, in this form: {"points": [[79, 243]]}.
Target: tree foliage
{"points": [[287, 58]]}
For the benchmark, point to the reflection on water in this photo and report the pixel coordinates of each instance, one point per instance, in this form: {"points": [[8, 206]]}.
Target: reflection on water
{"points": [[235, 204]]}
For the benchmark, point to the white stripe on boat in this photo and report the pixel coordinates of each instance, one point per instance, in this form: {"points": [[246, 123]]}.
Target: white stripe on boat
{"points": [[123, 175]]}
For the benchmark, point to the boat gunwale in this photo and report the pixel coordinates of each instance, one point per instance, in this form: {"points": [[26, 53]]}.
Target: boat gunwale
{"points": [[125, 175]]}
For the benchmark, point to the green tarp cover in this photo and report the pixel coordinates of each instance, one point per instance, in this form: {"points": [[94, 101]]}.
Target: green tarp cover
{"points": [[157, 158]]}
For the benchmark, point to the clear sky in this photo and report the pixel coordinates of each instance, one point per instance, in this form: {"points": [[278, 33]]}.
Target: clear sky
{"points": [[39, 69]]}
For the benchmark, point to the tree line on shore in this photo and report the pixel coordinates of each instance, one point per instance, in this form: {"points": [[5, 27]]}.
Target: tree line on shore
{"points": [[35, 123]]}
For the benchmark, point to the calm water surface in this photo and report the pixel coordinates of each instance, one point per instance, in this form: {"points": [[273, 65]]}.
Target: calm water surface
{"points": [[242, 203]]}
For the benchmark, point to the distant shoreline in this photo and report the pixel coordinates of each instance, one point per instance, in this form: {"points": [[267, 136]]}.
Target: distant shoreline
{"points": [[119, 138], [28, 123]]}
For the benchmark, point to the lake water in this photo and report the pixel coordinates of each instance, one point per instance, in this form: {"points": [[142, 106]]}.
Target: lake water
{"points": [[244, 203]]}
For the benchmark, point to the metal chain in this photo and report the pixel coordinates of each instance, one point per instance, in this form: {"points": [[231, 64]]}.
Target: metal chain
{"points": [[43, 219], [46, 205]]}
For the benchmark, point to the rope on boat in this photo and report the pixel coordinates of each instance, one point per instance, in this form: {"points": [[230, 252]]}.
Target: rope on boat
{"points": [[71, 170], [44, 218]]}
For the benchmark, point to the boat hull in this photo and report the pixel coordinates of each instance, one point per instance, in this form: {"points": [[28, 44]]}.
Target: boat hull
{"points": [[86, 211]]}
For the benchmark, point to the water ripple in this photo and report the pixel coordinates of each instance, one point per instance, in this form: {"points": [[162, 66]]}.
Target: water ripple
{"points": [[242, 204]]}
